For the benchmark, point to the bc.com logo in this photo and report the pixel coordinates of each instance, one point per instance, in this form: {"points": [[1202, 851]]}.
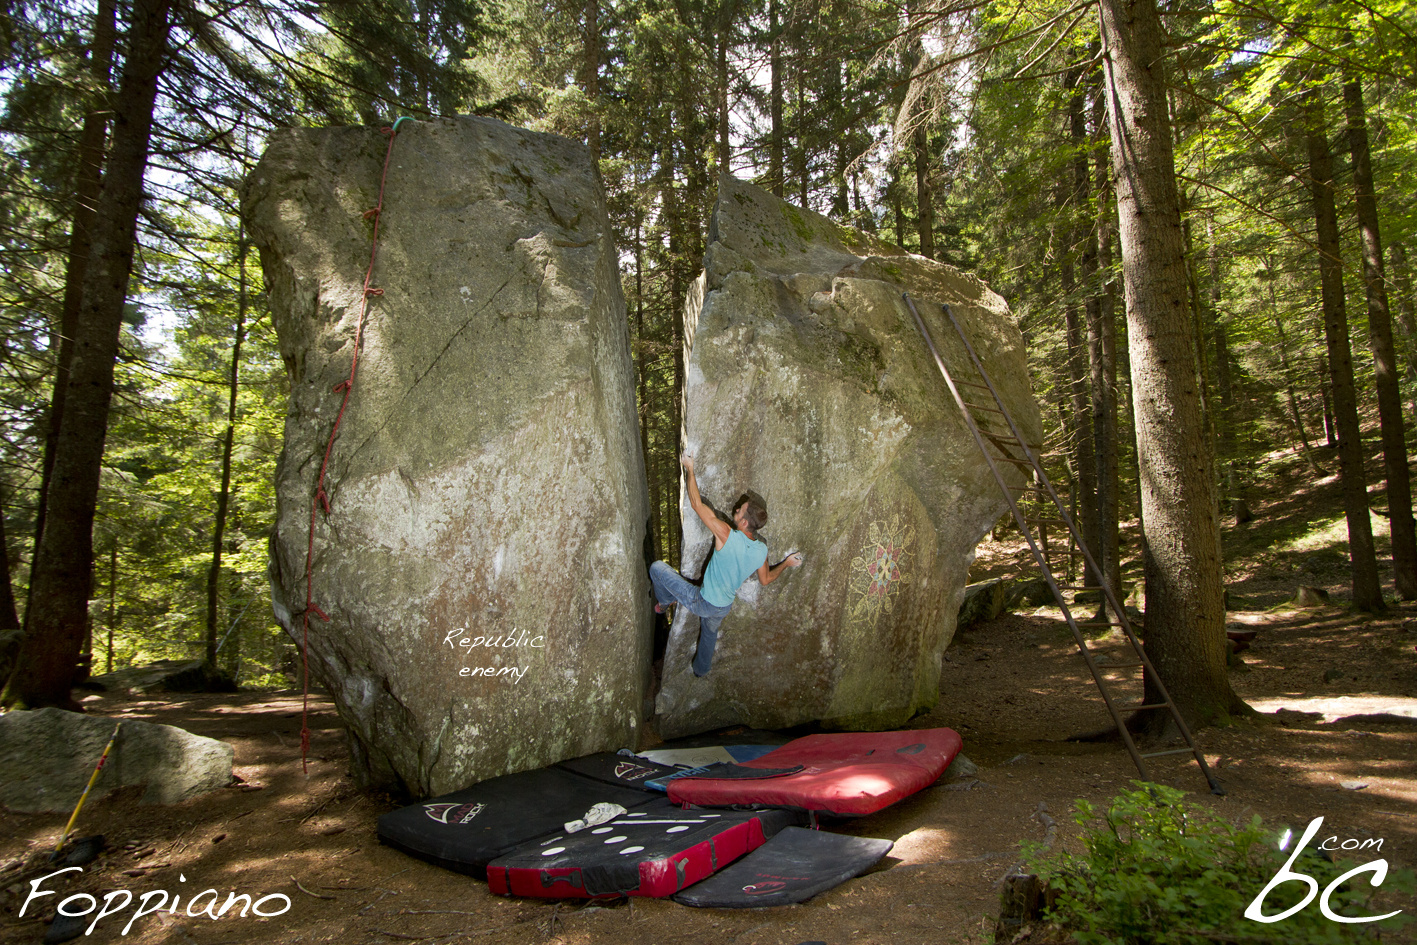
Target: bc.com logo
{"points": [[1287, 874]]}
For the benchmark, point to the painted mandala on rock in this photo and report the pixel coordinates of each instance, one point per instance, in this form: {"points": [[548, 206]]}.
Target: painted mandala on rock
{"points": [[878, 573]]}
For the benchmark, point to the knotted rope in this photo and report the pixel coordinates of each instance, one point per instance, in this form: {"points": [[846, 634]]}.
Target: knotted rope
{"points": [[322, 499]]}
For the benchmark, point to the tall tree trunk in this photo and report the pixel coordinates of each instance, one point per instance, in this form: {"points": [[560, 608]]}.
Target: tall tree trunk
{"points": [[776, 163], [922, 193], [642, 385], [1326, 402], [63, 574], [725, 31], [1285, 364], [861, 217], [800, 153], [590, 75], [897, 207], [9, 616], [1225, 417], [1406, 320], [1185, 628], [1367, 592], [1104, 379], [223, 499], [1399, 485], [1200, 331], [112, 599], [836, 107], [1083, 354], [1289, 378], [674, 223], [87, 184]]}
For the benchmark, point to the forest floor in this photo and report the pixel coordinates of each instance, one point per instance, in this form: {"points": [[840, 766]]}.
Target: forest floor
{"points": [[1335, 692]]}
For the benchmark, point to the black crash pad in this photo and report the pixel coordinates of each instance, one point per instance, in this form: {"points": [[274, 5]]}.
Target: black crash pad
{"points": [[625, 770], [466, 830], [791, 867]]}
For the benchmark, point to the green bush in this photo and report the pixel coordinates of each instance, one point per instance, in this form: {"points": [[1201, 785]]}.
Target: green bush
{"points": [[1157, 872]]}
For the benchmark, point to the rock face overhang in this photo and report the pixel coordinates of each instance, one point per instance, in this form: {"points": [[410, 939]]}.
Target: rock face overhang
{"points": [[808, 384], [482, 560]]}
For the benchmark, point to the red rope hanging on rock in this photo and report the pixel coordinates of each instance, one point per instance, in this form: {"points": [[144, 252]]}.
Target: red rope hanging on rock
{"points": [[322, 499]]}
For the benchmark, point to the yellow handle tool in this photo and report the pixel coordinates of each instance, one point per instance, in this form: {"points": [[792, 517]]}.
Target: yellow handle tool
{"points": [[63, 838]]}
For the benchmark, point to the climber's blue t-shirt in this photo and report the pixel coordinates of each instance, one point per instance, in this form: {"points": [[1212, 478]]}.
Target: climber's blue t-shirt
{"points": [[730, 566]]}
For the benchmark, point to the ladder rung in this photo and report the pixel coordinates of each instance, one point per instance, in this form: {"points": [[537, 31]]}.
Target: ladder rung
{"points": [[1005, 445], [1097, 623], [1139, 706], [1079, 587]]}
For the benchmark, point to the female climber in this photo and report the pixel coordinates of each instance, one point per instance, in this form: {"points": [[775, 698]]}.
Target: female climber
{"points": [[736, 554]]}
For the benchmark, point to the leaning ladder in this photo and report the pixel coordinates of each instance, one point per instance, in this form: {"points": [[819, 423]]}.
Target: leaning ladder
{"points": [[1005, 444]]}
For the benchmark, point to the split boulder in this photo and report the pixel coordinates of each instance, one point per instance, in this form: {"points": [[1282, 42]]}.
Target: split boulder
{"points": [[808, 383], [481, 561], [48, 755]]}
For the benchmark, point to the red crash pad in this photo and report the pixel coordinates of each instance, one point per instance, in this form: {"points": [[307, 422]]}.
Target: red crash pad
{"points": [[851, 774], [655, 850]]}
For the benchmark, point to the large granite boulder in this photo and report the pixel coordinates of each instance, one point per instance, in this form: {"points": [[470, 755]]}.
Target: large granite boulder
{"points": [[808, 383], [158, 676], [48, 755], [482, 561]]}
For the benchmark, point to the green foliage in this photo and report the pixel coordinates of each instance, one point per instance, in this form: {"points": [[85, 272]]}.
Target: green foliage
{"points": [[986, 91], [1158, 872]]}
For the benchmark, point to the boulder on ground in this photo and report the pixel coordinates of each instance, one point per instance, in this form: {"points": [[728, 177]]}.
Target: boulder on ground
{"points": [[988, 600], [982, 602], [48, 755], [481, 561], [1028, 592], [158, 676], [808, 383]]}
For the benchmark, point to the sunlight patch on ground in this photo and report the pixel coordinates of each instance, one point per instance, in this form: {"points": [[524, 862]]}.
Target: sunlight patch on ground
{"points": [[1326, 534], [923, 845], [1337, 707], [1281, 453]]}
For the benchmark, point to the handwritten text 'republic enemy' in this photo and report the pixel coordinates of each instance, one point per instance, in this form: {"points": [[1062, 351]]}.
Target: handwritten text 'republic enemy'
{"points": [[460, 639]]}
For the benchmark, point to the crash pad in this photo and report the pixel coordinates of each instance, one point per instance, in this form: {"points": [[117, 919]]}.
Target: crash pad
{"points": [[466, 830], [848, 773], [705, 759], [706, 754], [792, 867], [655, 850], [619, 768]]}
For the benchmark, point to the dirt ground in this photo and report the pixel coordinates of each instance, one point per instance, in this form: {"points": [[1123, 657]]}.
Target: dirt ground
{"points": [[1337, 692]]}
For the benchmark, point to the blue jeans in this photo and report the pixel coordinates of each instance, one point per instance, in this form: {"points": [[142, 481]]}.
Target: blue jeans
{"points": [[671, 587]]}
